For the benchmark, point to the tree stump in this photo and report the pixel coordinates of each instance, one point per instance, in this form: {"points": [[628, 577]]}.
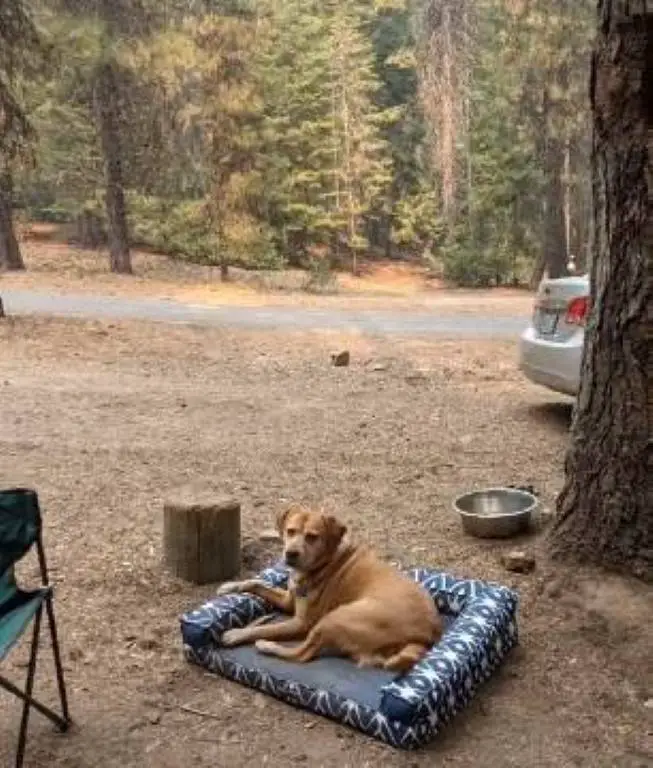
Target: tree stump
{"points": [[201, 539]]}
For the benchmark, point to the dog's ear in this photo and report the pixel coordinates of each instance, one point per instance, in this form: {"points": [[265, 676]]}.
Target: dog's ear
{"points": [[335, 530], [283, 516]]}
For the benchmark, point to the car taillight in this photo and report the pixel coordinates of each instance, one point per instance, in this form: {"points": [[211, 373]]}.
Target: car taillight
{"points": [[577, 311]]}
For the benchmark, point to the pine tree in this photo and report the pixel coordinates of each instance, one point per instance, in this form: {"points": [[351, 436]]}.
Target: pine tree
{"points": [[362, 162], [20, 50], [231, 117], [303, 129], [327, 158]]}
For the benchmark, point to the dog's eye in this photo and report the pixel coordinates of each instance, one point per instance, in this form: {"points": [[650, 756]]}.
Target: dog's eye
{"points": [[291, 532], [310, 538]]}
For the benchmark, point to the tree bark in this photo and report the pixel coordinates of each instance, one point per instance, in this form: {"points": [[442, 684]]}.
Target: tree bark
{"points": [[605, 511], [555, 236], [108, 116], [10, 256]]}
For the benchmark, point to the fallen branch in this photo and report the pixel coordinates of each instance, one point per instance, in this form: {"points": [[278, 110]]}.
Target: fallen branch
{"points": [[198, 712]]}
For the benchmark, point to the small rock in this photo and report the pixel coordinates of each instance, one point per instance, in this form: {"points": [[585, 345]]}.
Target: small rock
{"points": [[341, 359], [154, 718], [380, 367], [553, 589], [258, 503], [75, 654], [270, 534], [518, 561], [648, 704]]}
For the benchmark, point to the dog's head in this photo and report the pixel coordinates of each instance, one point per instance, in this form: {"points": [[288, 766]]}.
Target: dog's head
{"points": [[310, 538]]}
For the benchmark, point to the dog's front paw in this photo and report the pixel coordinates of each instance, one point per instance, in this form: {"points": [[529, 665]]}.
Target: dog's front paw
{"points": [[231, 588], [233, 637], [268, 647], [238, 587]]}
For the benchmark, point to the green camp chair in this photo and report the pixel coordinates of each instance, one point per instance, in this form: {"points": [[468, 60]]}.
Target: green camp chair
{"points": [[20, 529]]}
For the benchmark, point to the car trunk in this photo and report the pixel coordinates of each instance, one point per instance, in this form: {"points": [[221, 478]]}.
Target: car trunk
{"points": [[552, 304]]}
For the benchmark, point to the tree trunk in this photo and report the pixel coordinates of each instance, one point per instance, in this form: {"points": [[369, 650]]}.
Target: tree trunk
{"points": [[581, 206], [108, 115], [555, 235], [605, 512], [10, 257], [89, 230], [538, 271]]}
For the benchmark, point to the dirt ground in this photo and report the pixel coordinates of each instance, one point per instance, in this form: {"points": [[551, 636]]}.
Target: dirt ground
{"points": [[105, 420], [59, 268]]}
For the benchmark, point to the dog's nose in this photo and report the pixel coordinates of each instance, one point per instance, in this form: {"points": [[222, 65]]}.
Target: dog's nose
{"points": [[292, 558]]}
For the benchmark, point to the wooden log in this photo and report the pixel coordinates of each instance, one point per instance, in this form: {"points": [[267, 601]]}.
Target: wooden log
{"points": [[201, 538]]}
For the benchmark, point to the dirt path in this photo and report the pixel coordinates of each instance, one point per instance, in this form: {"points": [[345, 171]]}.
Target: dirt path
{"points": [[371, 321], [106, 419]]}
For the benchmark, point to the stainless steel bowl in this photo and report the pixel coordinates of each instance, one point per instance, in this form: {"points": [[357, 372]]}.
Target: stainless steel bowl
{"points": [[496, 513]]}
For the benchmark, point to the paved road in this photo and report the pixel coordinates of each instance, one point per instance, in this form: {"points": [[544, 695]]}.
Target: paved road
{"points": [[300, 318]]}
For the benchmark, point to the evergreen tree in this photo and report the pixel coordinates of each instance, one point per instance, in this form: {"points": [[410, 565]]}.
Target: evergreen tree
{"points": [[320, 132], [20, 51], [327, 158]]}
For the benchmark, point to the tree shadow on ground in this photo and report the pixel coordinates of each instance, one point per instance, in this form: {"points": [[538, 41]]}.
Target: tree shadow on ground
{"points": [[553, 416]]}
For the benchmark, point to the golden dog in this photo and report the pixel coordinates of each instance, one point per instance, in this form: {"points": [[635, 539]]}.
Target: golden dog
{"points": [[341, 598]]}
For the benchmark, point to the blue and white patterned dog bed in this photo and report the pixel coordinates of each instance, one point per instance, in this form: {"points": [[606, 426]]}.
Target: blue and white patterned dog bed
{"points": [[404, 711]]}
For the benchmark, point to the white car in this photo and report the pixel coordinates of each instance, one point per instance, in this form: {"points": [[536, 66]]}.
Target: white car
{"points": [[551, 348]]}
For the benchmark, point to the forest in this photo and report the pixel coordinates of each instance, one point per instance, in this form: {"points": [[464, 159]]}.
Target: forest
{"points": [[320, 135]]}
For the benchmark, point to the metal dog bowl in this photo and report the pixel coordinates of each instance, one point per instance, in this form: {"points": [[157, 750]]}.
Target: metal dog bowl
{"points": [[496, 513]]}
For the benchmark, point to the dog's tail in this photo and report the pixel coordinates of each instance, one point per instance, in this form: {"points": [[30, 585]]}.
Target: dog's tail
{"points": [[407, 657]]}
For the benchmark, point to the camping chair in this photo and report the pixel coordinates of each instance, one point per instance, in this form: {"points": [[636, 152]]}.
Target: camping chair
{"points": [[20, 529]]}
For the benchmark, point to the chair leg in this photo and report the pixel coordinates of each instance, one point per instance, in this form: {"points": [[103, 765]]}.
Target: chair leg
{"points": [[34, 703], [57, 662], [20, 752]]}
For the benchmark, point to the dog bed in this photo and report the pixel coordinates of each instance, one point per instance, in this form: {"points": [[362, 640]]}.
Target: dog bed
{"points": [[405, 711]]}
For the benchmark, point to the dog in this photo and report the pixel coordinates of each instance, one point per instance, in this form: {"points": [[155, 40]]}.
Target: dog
{"points": [[341, 598]]}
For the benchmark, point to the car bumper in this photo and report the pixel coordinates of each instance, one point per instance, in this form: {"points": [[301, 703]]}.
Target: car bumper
{"points": [[551, 364]]}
